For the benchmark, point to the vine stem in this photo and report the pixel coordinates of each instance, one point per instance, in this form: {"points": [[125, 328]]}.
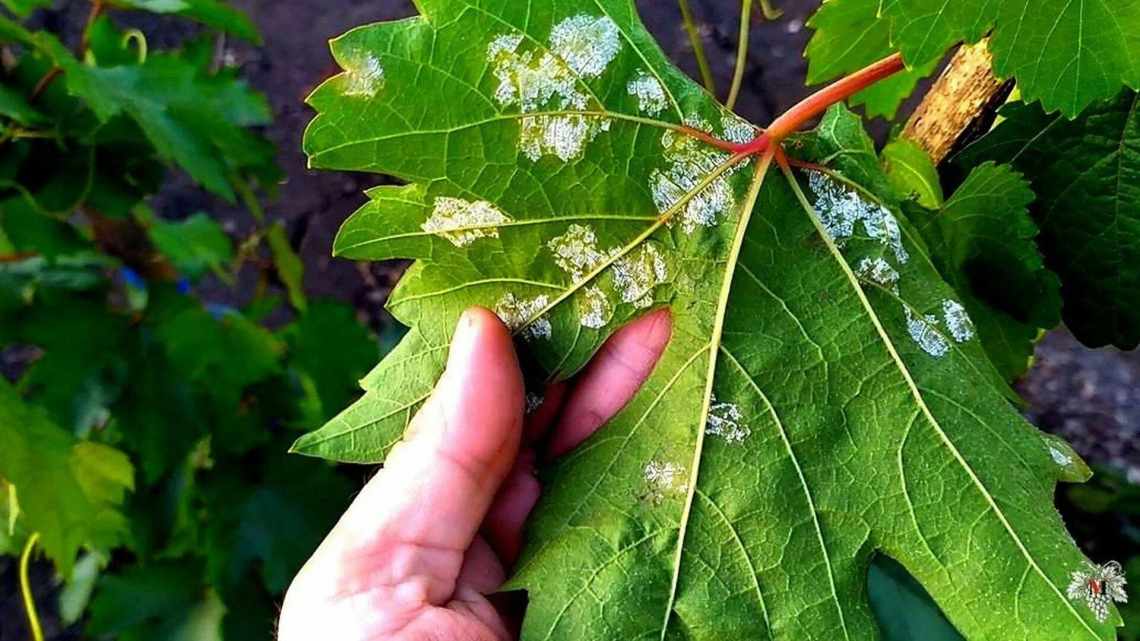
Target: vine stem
{"points": [[26, 588], [741, 53], [97, 7], [809, 108], [698, 46]]}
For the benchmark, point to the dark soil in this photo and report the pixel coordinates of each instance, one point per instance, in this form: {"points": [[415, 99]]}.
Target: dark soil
{"points": [[1091, 397]]}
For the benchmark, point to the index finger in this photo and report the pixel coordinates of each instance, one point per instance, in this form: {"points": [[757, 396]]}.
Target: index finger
{"points": [[612, 379]]}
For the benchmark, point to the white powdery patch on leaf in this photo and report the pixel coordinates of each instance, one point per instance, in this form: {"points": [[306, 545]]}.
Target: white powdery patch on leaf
{"points": [[737, 129], [1059, 457], [1098, 586], [533, 402], [529, 81], [636, 275], [664, 479], [924, 330], [689, 163], [564, 136], [840, 208], [594, 308], [519, 313], [463, 222], [577, 252], [726, 421], [586, 43], [581, 47], [878, 271], [957, 321], [650, 94], [364, 77]]}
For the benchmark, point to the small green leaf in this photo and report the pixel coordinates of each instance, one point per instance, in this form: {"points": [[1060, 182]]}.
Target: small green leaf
{"points": [[912, 173], [1086, 175], [289, 267], [195, 245]]}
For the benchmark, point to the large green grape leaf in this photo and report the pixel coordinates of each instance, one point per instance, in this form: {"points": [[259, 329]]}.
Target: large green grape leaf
{"points": [[70, 491], [1065, 53], [823, 398], [1086, 175]]}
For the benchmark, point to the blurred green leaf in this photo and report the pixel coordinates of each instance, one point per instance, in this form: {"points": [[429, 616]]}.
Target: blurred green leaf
{"points": [[144, 596], [195, 245], [70, 491], [213, 13], [24, 7], [15, 106], [333, 347], [290, 269]]}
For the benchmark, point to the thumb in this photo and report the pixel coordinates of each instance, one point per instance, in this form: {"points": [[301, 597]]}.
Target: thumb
{"points": [[419, 515]]}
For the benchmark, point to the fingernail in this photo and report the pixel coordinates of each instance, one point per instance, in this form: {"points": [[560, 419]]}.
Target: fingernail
{"points": [[464, 339]]}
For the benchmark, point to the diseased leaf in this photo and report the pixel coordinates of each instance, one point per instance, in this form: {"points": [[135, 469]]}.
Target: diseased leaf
{"points": [[1086, 175], [69, 490], [824, 397], [985, 245], [912, 172]]}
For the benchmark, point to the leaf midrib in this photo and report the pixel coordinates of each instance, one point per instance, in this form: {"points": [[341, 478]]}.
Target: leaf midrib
{"points": [[715, 344]]}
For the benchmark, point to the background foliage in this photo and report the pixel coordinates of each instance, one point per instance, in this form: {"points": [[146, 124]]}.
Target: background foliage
{"points": [[144, 431]]}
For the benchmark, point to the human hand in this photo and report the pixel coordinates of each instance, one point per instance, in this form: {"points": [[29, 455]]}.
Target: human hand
{"points": [[419, 553]]}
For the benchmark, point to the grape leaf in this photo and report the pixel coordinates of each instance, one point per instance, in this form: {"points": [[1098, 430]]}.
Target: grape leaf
{"points": [[289, 267], [823, 399], [1086, 175], [1065, 54], [69, 490], [334, 349], [985, 245], [195, 245], [24, 7], [849, 36], [912, 172], [214, 13]]}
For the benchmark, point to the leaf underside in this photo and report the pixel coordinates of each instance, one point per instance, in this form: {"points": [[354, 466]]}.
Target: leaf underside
{"points": [[823, 399]]}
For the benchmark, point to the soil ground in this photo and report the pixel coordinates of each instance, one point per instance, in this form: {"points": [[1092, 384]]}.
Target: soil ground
{"points": [[1091, 397]]}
